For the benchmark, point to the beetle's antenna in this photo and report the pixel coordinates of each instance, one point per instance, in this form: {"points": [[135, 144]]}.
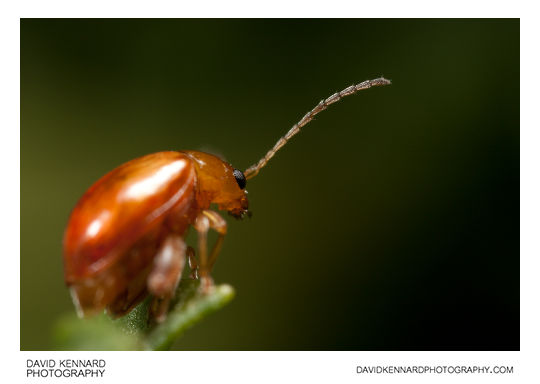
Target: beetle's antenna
{"points": [[323, 104]]}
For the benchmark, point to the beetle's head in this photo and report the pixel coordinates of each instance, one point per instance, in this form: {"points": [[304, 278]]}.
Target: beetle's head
{"points": [[218, 182]]}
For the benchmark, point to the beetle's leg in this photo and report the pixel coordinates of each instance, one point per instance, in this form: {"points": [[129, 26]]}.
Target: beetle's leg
{"points": [[202, 225], [218, 224], [204, 221], [192, 261], [165, 275]]}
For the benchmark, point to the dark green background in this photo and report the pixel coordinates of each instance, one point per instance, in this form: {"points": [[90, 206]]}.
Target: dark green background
{"points": [[391, 222]]}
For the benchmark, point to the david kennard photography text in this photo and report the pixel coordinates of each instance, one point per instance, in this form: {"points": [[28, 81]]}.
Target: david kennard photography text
{"points": [[65, 368]]}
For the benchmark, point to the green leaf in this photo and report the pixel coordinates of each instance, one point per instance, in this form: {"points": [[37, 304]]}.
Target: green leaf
{"points": [[134, 331], [98, 333], [190, 309]]}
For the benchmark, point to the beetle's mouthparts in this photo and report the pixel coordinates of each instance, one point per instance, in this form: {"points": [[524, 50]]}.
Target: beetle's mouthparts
{"points": [[240, 213]]}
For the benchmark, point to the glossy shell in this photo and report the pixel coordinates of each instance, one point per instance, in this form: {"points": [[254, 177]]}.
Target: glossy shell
{"points": [[139, 200]]}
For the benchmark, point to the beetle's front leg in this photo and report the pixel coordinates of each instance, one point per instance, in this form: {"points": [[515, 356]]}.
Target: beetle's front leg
{"points": [[204, 221], [192, 262], [165, 275]]}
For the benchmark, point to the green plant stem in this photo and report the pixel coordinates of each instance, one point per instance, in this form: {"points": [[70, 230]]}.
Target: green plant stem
{"points": [[134, 331], [191, 308]]}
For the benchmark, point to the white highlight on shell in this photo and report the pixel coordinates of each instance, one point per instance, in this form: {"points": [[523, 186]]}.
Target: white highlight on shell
{"points": [[97, 224], [150, 185], [94, 228]]}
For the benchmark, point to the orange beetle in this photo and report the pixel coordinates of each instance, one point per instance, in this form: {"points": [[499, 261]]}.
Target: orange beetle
{"points": [[125, 237]]}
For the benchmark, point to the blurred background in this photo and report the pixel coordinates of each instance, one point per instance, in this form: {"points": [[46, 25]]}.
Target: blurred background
{"points": [[390, 223]]}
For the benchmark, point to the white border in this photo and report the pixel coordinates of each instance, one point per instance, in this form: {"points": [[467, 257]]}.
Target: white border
{"points": [[286, 367], [274, 8]]}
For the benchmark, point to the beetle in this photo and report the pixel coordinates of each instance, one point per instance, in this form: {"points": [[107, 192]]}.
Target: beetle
{"points": [[125, 238]]}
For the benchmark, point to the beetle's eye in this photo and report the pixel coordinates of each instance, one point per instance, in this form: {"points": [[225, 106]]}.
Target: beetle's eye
{"points": [[240, 178]]}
